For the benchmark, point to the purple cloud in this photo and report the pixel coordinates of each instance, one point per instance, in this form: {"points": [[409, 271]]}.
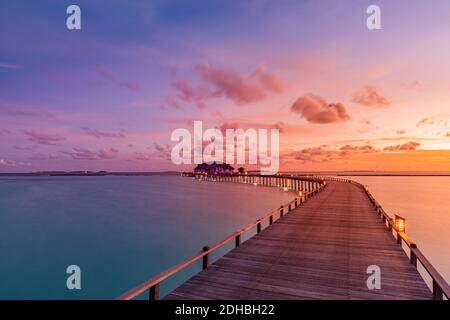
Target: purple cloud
{"points": [[103, 134], [108, 76], [86, 154], [43, 138]]}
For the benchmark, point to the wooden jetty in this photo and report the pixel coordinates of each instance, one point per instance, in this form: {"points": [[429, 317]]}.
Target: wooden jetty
{"points": [[318, 246]]}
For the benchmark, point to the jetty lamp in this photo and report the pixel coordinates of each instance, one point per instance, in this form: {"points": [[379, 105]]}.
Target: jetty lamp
{"points": [[400, 223], [300, 194], [366, 187]]}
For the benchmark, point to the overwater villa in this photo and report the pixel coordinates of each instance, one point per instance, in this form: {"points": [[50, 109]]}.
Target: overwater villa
{"points": [[214, 168]]}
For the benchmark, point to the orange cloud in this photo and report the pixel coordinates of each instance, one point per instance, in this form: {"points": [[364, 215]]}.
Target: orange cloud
{"points": [[315, 109], [412, 145]]}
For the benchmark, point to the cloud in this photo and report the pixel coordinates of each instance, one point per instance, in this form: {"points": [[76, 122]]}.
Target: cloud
{"points": [[414, 85], [370, 97], [103, 134], [86, 154], [315, 109], [412, 145], [448, 134], [325, 153], [108, 76], [4, 131], [217, 82], [160, 151], [19, 111], [400, 131], [424, 121], [184, 93], [348, 149], [43, 138], [12, 163], [11, 66]]}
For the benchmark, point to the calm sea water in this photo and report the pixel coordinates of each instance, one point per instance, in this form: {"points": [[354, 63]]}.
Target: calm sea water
{"points": [[425, 203], [120, 230]]}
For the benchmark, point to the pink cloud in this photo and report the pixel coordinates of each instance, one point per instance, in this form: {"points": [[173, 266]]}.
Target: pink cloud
{"points": [[107, 75], [370, 97], [414, 85], [315, 109], [412, 145], [215, 82], [12, 163], [103, 134], [43, 138]]}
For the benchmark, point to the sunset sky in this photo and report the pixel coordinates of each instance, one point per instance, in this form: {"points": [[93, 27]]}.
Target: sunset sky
{"points": [[108, 96]]}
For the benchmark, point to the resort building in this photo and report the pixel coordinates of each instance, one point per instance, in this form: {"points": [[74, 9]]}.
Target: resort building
{"points": [[214, 168]]}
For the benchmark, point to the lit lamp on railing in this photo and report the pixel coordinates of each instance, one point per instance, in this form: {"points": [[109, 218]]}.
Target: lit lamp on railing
{"points": [[366, 187], [300, 194], [400, 223]]}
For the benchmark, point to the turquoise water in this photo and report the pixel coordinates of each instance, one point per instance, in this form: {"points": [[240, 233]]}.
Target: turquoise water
{"points": [[120, 230]]}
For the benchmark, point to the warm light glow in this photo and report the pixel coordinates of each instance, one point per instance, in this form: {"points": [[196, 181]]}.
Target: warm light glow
{"points": [[255, 184], [285, 189], [366, 187], [300, 193], [400, 223]]}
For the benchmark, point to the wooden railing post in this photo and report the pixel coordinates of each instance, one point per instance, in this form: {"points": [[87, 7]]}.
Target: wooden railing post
{"points": [[289, 208], [412, 255], [153, 292], [296, 203], [205, 258], [237, 240], [437, 291], [281, 211], [258, 227], [271, 220], [399, 238]]}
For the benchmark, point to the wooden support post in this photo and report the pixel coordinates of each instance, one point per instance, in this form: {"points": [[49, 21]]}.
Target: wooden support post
{"points": [[205, 258], [271, 220], [153, 292], [281, 211], [296, 203], [258, 227], [437, 291], [237, 240], [289, 208]]}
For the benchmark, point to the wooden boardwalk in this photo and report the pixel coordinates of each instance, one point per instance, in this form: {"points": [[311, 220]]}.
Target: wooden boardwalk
{"points": [[320, 250]]}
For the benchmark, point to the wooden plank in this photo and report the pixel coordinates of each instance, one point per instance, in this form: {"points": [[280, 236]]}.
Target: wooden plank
{"points": [[320, 250]]}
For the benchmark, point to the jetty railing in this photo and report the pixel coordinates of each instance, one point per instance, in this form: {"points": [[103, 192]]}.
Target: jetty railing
{"points": [[439, 286], [312, 186]]}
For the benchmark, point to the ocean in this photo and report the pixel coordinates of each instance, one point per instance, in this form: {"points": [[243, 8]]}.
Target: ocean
{"points": [[122, 230]]}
